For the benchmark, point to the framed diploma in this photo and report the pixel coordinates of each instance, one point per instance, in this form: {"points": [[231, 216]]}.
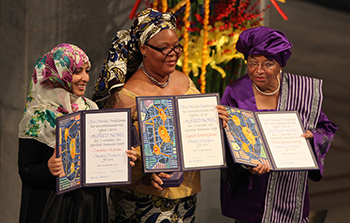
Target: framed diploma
{"points": [[271, 138], [92, 145], [180, 133]]}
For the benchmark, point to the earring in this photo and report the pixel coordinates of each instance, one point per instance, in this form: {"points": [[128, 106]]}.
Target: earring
{"points": [[281, 72], [144, 55]]}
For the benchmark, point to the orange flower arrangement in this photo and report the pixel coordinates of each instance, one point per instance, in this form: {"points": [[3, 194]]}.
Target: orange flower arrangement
{"points": [[208, 31], [186, 37], [205, 45]]}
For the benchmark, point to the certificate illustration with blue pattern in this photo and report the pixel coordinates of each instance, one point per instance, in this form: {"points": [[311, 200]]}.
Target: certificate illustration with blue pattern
{"points": [[180, 133], [271, 138], [92, 146]]}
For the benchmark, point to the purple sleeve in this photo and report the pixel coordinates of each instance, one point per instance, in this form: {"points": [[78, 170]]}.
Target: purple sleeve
{"points": [[323, 136], [228, 98], [236, 180], [239, 94]]}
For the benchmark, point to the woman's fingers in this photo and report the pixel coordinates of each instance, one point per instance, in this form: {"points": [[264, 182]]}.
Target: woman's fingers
{"points": [[308, 135], [156, 180], [55, 165], [259, 169], [223, 114], [132, 155]]}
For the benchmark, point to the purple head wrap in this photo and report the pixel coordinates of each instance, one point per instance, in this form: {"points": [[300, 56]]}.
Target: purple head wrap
{"points": [[271, 43]]}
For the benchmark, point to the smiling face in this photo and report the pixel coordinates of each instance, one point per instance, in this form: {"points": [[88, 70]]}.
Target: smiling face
{"points": [[157, 63], [80, 79], [263, 72]]}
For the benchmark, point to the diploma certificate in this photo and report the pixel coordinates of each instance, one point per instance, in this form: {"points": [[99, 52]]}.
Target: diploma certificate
{"points": [[180, 133], [271, 138], [92, 145]]}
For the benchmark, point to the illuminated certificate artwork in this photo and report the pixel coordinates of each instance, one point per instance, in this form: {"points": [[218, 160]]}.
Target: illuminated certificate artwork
{"points": [[159, 141], [69, 146], [180, 133], [271, 138], [92, 145], [244, 138]]}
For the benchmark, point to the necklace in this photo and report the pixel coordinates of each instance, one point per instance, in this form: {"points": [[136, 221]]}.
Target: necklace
{"points": [[154, 81], [268, 94]]}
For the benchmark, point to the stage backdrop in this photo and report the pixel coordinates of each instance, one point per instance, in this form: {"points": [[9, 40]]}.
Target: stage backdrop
{"points": [[28, 30]]}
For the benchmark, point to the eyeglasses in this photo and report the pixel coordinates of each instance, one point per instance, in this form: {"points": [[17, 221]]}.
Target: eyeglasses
{"points": [[265, 65], [167, 50]]}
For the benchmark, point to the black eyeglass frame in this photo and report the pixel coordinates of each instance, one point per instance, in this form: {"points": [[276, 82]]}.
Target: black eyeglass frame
{"points": [[179, 46]]}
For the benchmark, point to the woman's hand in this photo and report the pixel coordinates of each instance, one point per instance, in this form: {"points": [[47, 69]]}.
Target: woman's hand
{"points": [[132, 155], [223, 114], [55, 165], [308, 135], [260, 169], [155, 180]]}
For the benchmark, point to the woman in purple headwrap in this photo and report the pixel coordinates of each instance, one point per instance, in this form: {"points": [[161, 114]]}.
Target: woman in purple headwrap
{"points": [[257, 194]]}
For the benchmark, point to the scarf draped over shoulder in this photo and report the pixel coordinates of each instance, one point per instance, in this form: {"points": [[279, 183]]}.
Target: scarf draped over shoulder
{"points": [[50, 93]]}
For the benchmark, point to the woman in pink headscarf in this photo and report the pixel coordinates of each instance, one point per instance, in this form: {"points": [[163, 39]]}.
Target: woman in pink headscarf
{"points": [[57, 88]]}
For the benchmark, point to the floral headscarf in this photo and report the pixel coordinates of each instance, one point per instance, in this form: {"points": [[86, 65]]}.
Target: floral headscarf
{"points": [[124, 56], [50, 93]]}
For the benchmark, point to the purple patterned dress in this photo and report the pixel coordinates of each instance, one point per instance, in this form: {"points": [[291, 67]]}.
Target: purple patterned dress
{"points": [[277, 196]]}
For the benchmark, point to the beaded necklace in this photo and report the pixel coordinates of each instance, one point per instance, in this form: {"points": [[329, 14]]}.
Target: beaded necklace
{"points": [[268, 94], [153, 80]]}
